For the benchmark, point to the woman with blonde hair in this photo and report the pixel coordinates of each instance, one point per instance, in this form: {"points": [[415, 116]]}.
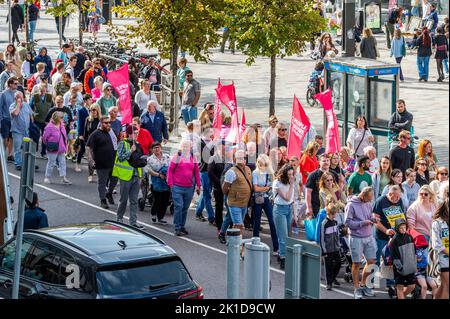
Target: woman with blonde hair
{"points": [[368, 46], [96, 92], [144, 95], [440, 182], [91, 124], [308, 161], [425, 151], [329, 189], [262, 178], [420, 213], [398, 49]]}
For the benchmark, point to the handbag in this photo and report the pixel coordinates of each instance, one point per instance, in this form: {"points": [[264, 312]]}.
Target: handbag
{"points": [[362, 139], [403, 47], [259, 197], [310, 228], [53, 147]]}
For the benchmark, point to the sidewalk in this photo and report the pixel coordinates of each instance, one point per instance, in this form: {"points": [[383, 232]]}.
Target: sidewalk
{"points": [[429, 102]]}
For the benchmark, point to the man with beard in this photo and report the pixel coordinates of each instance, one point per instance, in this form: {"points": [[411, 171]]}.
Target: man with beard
{"points": [[360, 179]]}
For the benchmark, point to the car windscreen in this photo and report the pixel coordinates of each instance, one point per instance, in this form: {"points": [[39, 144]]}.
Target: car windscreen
{"points": [[142, 278]]}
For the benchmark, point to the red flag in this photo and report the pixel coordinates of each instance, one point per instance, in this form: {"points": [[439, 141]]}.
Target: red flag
{"points": [[243, 122], [299, 128], [120, 80], [333, 140], [234, 136], [217, 122], [227, 95]]}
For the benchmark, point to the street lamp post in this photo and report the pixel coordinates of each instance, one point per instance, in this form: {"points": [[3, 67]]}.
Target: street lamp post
{"points": [[9, 22], [348, 33]]}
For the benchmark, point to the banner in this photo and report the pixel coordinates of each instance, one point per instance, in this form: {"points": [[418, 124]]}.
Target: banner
{"points": [[298, 129], [217, 121], [227, 95], [243, 122], [332, 138], [234, 134], [120, 80]]}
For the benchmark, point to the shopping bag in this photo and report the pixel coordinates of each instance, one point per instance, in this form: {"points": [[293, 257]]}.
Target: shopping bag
{"points": [[310, 229]]}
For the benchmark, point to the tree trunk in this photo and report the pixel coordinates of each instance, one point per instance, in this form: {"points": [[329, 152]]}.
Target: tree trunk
{"points": [[173, 96], [80, 21], [272, 85]]}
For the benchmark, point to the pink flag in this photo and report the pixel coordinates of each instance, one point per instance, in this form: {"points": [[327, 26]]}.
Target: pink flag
{"points": [[217, 121], [333, 140], [299, 128], [227, 95], [120, 80], [243, 122]]}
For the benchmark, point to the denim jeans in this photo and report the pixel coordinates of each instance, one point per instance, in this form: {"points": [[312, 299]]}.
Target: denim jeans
{"points": [[399, 61], [380, 245], [129, 191], [56, 160], [227, 220], [237, 214], [445, 62], [43, 146], [189, 113], [423, 63], [17, 146], [257, 212], [415, 11], [283, 218], [182, 197], [32, 29], [205, 197]]}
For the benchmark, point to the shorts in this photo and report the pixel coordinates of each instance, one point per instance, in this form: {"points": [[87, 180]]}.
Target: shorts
{"points": [[237, 215], [444, 269], [360, 247], [404, 280], [422, 274], [5, 128]]}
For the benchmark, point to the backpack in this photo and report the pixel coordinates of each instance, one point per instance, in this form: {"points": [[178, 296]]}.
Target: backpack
{"points": [[392, 17], [136, 159], [32, 82]]}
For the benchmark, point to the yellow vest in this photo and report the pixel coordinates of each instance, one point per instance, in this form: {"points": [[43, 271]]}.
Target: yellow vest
{"points": [[123, 170]]}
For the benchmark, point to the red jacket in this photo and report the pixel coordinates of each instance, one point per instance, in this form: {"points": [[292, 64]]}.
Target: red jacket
{"points": [[146, 140], [89, 79], [307, 165]]}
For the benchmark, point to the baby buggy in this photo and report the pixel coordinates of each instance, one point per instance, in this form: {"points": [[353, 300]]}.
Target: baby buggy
{"points": [[146, 189], [346, 258]]}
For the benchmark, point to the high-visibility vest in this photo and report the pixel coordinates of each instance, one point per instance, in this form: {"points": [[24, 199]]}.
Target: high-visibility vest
{"points": [[123, 170]]}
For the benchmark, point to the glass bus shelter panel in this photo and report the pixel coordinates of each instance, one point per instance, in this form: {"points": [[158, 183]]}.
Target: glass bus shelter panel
{"points": [[356, 97], [381, 102], [337, 86], [382, 146]]}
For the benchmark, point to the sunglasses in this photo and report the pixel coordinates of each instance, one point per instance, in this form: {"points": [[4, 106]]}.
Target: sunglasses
{"points": [[406, 138], [424, 194], [107, 123], [274, 122], [422, 164], [282, 129], [93, 110], [444, 174], [329, 180], [16, 83]]}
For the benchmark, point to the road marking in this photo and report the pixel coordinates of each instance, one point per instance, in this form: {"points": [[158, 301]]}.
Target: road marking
{"points": [[156, 228]]}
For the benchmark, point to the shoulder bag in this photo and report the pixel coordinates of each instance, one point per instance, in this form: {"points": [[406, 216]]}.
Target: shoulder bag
{"points": [[259, 197], [53, 147], [362, 139]]}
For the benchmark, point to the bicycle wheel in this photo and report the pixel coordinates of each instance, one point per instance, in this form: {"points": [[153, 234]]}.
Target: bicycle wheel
{"points": [[310, 97]]}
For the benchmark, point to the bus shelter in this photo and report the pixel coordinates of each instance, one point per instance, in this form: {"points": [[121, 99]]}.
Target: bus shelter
{"points": [[363, 87]]}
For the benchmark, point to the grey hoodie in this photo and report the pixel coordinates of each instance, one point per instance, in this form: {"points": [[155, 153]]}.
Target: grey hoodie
{"points": [[356, 212]]}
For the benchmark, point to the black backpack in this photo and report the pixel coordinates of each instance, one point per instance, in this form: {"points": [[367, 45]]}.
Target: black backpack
{"points": [[136, 159], [392, 19]]}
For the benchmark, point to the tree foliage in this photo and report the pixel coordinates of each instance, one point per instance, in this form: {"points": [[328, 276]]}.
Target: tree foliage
{"points": [[272, 27], [187, 24]]}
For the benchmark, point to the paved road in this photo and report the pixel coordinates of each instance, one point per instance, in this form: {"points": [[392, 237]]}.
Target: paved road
{"points": [[204, 256]]}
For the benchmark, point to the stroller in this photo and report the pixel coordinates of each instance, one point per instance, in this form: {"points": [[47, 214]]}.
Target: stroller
{"points": [[346, 258], [146, 189]]}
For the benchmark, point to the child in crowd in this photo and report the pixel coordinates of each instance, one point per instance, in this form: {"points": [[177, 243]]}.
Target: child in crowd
{"points": [[404, 259], [330, 245]]}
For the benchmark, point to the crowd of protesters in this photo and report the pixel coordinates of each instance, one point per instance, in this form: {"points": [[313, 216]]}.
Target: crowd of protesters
{"points": [[376, 204]]}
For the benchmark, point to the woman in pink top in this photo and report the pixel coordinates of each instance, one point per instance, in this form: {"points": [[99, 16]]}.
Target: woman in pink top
{"points": [[183, 177], [96, 92], [420, 213]]}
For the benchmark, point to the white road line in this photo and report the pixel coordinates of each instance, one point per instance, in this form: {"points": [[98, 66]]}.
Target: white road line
{"points": [[156, 228]]}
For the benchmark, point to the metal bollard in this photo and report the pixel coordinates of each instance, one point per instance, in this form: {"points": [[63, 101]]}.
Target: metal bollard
{"points": [[233, 262], [296, 271], [256, 269]]}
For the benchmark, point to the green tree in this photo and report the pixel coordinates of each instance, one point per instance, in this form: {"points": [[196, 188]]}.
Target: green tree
{"points": [[272, 28], [171, 25]]}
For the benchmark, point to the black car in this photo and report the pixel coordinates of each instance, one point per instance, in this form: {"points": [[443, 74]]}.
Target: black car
{"points": [[107, 260]]}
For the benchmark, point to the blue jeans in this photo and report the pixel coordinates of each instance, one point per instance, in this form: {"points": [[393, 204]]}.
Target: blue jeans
{"points": [[423, 66], [17, 146], [257, 212], [189, 113], [415, 11], [227, 220], [445, 62], [32, 29], [283, 218], [182, 197], [205, 197], [237, 214], [380, 245], [399, 61]]}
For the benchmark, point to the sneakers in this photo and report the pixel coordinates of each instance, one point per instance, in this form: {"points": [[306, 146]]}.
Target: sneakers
{"points": [[18, 168], [104, 204], [66, 181], [358, 293], [110, 199], [184, 231], [368, 292], [178, 233], [201, 218], [336, 283], [222, 239], [120, 220], [154, 219], [138, 226], [162, 221], [275, 253], [282, 263], [90, 179], [10, 158], [329, 287], [47, 180], [77, 168]]}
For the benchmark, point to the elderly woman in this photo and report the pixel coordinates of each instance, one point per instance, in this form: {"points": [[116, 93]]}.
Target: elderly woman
{"points": [[440, 182], [348, 163], [144, 95]]}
